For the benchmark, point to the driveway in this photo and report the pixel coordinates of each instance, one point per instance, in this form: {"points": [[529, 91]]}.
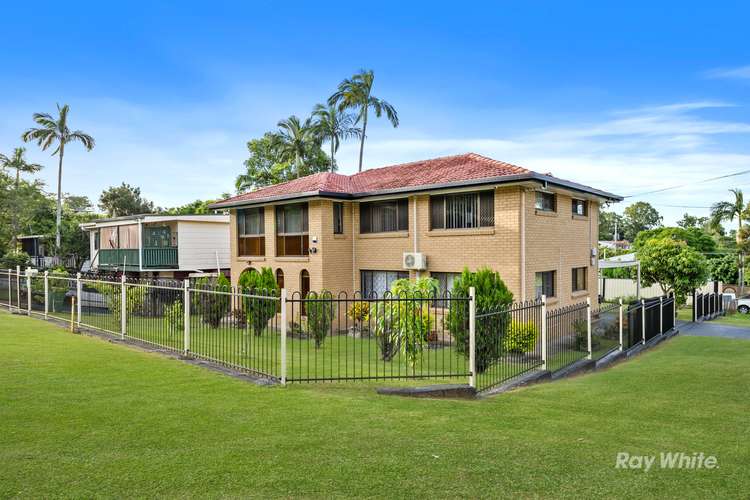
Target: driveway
{"points": [[709, 329]]}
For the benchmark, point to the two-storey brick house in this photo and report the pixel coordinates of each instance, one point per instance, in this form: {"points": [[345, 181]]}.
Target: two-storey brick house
{"points": [[345, 233]]}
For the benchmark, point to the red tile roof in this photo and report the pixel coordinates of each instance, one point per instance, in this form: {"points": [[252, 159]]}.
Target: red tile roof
{"points": [[418, 174]]}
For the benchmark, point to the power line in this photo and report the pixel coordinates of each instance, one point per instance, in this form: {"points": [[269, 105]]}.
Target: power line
{"points": [[742, 172]]}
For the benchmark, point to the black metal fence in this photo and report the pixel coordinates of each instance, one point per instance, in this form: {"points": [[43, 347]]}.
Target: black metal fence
{"points": [[567, 335], [321, 337], [376, 337], [508, 343], [707, 306]]}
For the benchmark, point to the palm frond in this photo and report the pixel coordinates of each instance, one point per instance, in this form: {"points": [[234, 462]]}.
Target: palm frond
{"points": [[82, 137]]}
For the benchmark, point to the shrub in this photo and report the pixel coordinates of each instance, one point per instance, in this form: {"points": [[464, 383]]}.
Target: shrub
{"points": [[212, 306], [13, 259], [57, 289], [405, 325], [359, 312], [319, 315], [520, 337], [135, 296], [174, 317], [491, 295], [581, 329], [258, 311]]}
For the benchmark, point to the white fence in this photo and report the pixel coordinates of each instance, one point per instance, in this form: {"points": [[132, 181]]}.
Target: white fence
{"points": [[614, 288]]}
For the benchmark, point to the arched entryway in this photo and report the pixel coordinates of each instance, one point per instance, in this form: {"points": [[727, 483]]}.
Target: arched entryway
{"points": [[280, 278], [304, 286]]}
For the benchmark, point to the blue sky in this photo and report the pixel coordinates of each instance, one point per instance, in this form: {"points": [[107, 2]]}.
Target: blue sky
{"points": [[628, 98]]}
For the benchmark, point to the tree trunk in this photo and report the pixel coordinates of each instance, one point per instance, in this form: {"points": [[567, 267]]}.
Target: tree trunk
{"points": [[362, 141], [59, 201], [333, 163], [16, 208]]}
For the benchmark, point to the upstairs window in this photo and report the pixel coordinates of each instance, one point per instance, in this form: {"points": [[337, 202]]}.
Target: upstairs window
{"points": [[545, 202], [338, 217], [384, 216], [462, 211], [580, 207], [251, 239], [291, 230], [544, 284], [579, 279]]}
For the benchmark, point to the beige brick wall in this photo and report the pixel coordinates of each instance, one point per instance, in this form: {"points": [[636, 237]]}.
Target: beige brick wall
{"points": [[558, 242]]}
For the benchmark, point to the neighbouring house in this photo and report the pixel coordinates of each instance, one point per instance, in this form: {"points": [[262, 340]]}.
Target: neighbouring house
{"points": [[166, 246], [360, 232], [42, 253]]}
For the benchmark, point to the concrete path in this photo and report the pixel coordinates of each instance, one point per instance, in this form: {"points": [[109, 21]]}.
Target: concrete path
{"points": [[710, 329]]}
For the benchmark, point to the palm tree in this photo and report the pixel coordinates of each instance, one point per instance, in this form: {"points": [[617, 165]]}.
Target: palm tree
{"points": [[334, 125], [55, 132], [356, 93], [17, 162], [729, 210], [295, 139]]}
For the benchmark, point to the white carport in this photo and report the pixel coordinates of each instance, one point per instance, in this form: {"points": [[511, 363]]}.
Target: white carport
{"points": [[625, 260]]}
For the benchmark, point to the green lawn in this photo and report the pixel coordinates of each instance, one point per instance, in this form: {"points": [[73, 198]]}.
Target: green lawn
{"points": [[82, 417], [734, 319]]}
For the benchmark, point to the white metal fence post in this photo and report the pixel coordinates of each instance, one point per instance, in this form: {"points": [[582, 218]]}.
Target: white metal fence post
{"points": [[79, 292], [123, 307], [661, 314], [588, 326], [544, 332], [621, 343], [18, 289], [10, 289], [472, 337], [28, 292], [186, 307], [46, 294], [283, 336], [643, 321]]}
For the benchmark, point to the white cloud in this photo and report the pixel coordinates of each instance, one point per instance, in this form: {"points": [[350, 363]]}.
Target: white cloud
{"points": [[177, 155], [741, 72]]}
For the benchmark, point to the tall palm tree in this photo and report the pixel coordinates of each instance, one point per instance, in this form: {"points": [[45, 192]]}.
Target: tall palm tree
{"points": [[18, 162], [295, 139], [356, 93], [54, 132], [729, 210], [334, 125]]}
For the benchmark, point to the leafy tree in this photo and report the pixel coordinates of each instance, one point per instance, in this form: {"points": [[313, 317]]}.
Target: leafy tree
{"points": [[724, 269], [405, 324], [638, 217], [259, 311], [608, 221], [491, 295], [356, 93], [77, 204], [54, 132], [18, 163], [319, 315], [197, 207], [673, 265], [334, 125], [694, 237], [266, 165], [212, 306], [123, 200], [691, 221]]}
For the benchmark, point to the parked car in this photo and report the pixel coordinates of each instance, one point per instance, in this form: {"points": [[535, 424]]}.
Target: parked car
{"points": [[743, 305], [90, 297]]}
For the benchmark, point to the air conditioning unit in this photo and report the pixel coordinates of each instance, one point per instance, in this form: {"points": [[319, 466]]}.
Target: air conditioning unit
{"points": [[416, 261]]}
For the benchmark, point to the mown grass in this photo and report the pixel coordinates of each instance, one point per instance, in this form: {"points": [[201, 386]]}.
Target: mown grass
{"points": [[730, 319], [83, 418]]}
